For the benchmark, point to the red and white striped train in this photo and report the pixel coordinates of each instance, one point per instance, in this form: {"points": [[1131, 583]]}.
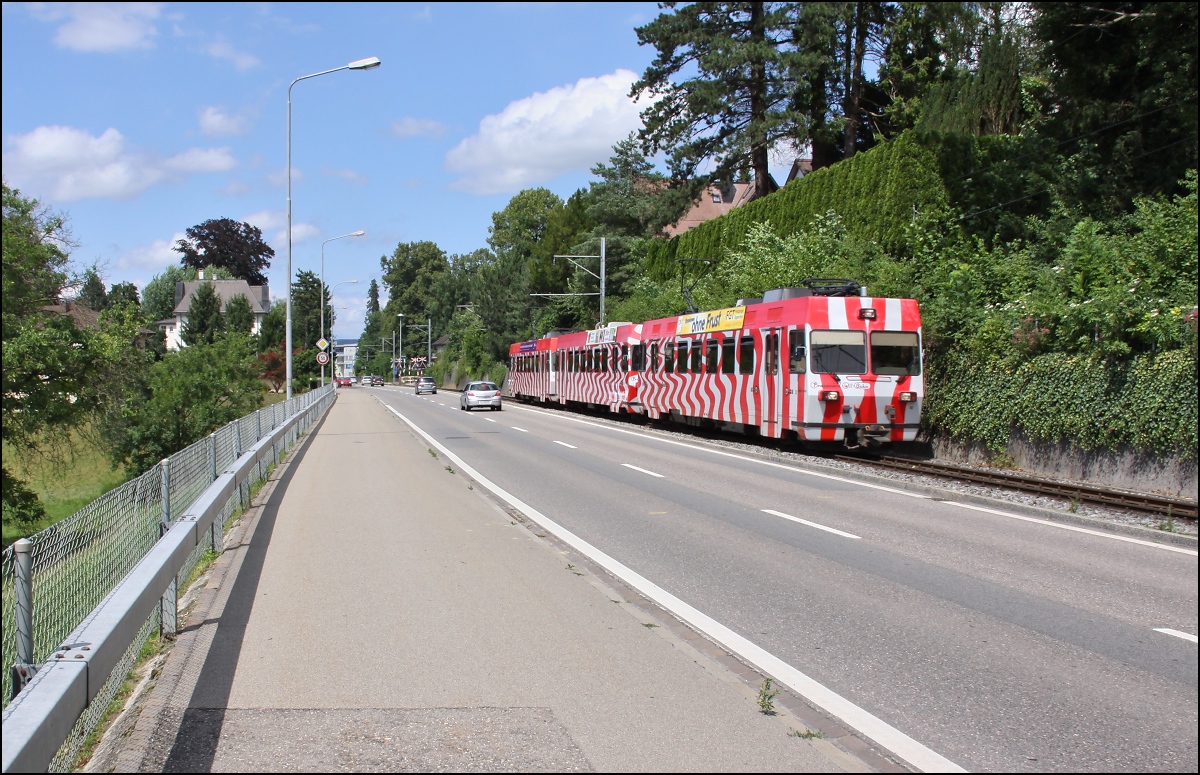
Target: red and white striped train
{"points": [[822, 363]]}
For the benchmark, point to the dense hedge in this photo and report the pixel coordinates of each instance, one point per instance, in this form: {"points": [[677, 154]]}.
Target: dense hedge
{"points": [[1149, 403], [875, 194]]}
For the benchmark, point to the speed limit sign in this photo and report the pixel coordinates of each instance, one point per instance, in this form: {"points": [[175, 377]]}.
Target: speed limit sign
{"points": [[322, 358]]}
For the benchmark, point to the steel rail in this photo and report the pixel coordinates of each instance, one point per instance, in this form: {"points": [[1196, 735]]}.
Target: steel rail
{"points": [[1106, 496]]}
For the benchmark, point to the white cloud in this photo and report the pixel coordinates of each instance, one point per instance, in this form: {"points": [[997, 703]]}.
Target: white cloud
{"points": [[214, 122], [222, 50], [101, 27], [278, 178], [269, 220], [350, 176], [418, 127], [70, 164], [152, 257], [540, 137]]}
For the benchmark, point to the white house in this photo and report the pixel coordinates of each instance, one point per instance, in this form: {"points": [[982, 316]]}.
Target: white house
{"points": [[259, 297], [345, 352]]}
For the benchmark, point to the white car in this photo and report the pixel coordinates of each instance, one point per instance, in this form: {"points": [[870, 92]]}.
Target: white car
{"points": [[480, 394]]}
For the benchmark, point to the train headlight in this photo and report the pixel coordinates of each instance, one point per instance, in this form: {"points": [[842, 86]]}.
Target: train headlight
{"points": [[830, 395], [907, 397]]}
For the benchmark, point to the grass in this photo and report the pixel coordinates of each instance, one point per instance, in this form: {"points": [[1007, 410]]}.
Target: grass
{"points": [[808, 734], [152, 648], [65, 480]]}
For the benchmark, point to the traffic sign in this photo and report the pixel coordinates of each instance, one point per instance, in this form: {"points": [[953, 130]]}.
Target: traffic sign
{"points": [[322, 344], [322, 358]]}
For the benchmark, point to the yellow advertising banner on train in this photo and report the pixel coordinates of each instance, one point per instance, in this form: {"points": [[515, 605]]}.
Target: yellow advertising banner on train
{"points": [[717, 320]]}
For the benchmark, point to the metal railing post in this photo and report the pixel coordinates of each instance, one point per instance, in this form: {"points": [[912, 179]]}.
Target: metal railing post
{"points": [[24, 669], [258, 425], [167, 606], [212, 477]]}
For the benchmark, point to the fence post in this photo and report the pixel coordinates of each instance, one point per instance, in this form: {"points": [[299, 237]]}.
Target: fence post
{"points": [[258, 425], [24, 669], [237, 455], [212, 477], [167, 606]]}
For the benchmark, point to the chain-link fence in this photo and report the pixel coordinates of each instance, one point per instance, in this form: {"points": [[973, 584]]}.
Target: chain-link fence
{"points": [[79, 560]]}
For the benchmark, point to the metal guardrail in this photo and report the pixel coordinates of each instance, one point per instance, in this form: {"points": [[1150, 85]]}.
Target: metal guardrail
{"points": [[45, 725]]}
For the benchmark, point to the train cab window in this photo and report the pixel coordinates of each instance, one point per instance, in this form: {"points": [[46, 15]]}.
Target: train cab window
{"points": [[839, 352], [728, 359], [681, 355], [797, 355], [895, 352], [635, 358], [713, 353], [696, 356], [746, 355]]}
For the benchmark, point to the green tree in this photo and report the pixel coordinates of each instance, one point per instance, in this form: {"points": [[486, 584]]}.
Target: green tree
{"points": [[239, 316], [274, 327], [373, 296], [124, 293], [722, 89], [306, 309], [190, 394], [205, 323], [92, 293], [158, 297], [228, 244]]}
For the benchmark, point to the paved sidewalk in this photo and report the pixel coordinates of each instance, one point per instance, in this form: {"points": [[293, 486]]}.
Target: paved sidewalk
{"points": [[378, 613]]}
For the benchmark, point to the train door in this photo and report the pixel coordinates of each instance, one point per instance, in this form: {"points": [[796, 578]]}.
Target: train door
{"points": [[770, 389], [552, 389], [794, 371]]}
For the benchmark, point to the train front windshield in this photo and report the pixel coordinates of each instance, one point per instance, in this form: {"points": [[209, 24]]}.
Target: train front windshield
{"points": [[897, 353]]}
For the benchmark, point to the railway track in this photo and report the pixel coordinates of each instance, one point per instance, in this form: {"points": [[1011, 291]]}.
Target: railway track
{"points": [[1146, 502]]}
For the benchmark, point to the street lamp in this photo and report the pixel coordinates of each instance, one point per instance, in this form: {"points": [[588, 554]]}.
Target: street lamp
{"points": [[362, 64], [331, 290], [358, 233]]}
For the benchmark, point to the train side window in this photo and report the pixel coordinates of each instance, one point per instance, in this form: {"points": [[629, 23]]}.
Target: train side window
{"points": [[713, 355], [681, 355], [668, 357], [696, 356], [797, 355], [839, 352], [635, 358], [652, 361], [728, 355], [746, 355], [624, 357]]}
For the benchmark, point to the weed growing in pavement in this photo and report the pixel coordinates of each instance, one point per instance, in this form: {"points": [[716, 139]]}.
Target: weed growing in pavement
{"points": [[811, 734], [766, 698], [1168, 525], [1074, 506], [448, 468], [649, 625], [432, 454]]}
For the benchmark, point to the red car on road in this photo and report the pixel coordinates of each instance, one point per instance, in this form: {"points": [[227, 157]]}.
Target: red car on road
{"points": [[345, 381]]}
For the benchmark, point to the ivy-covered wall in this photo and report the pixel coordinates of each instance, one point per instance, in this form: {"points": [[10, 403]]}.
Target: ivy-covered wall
{"points": [[1148, 403]]}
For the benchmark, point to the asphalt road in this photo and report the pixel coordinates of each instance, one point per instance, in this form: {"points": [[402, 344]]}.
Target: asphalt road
{"points": [[996, 642]]}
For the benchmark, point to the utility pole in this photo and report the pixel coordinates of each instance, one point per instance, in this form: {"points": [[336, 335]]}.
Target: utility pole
{"points": [[600, 277]]}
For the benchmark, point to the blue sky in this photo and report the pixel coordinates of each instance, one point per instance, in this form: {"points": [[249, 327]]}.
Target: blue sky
{"points": [[141, 119]]}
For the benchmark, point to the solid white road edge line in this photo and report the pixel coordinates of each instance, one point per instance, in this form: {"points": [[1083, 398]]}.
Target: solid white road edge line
{"points": [[810, 524], [730, 454], [878, 730], [1176, 633], [644, 471], [565, 444], [1072, 527]]}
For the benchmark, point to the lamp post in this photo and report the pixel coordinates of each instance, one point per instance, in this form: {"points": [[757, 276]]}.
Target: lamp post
{"points": [[362, 64], [358, 233], [335, 285]]}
